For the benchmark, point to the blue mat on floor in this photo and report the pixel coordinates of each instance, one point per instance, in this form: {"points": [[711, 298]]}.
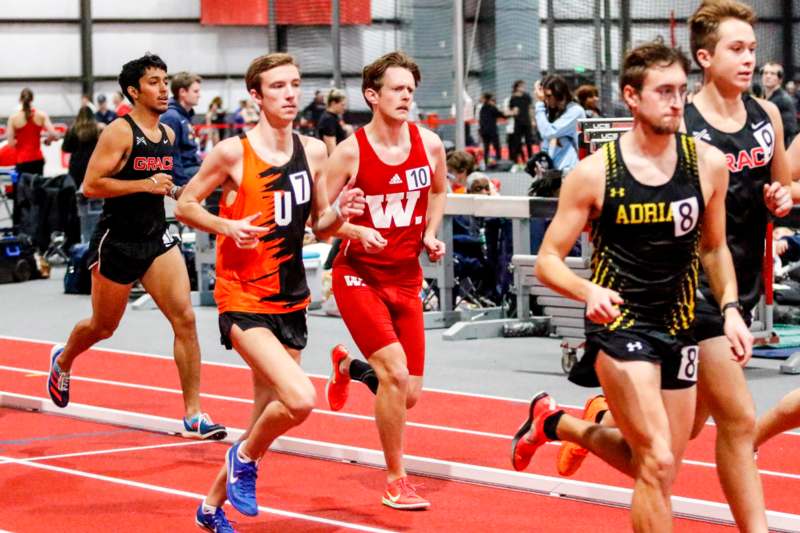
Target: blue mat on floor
{"points": [[774, 353]]}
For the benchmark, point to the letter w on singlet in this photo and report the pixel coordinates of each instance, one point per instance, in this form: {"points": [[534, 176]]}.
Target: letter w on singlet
{"points": [[394, 211]]}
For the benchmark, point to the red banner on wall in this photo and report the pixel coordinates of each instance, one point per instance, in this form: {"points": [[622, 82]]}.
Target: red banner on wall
{"points": [[234, 12], [288, 12]]}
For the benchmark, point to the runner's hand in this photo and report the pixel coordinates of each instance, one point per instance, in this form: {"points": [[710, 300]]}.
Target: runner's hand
{"points": [[243, 232], [371, 239], [602, 304], [434, 247], [778, 199], [159, 184], [350, 201], [739, 336]]}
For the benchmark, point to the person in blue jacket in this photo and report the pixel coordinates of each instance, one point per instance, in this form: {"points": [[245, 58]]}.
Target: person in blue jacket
{"points": [[557, 118], [185, 89]]}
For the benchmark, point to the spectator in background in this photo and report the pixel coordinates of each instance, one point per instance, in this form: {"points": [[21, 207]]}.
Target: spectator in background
{"points": [[103, 115], [557, 119], [771, 79], [487, 127], [86, 101], [121, 107], [80, 140], [24, 134], [215, 121], [313, 112], [185, 88], [519, 106], [588, 98], [331, 127], [460, 164]]}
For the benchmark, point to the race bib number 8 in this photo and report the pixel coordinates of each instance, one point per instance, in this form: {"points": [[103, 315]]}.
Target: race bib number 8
{"points": [[685, 213], [689, 362]]}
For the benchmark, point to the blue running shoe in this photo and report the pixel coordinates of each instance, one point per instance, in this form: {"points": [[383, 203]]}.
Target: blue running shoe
{"points": [[200, 426], [241, 482], [58, 380], [216, 522]]}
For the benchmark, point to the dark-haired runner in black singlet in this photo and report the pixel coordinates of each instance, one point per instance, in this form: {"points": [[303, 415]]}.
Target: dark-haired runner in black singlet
{"points": [[130, 169]]}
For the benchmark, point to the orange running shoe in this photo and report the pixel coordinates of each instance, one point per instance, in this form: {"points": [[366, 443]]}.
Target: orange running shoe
{"points": [[571, 455], [530, 435], [337, 386], [400, 494]]}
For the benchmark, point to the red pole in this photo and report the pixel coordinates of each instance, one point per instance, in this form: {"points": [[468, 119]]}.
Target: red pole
{"points": [[672, 25], [769, 269]]}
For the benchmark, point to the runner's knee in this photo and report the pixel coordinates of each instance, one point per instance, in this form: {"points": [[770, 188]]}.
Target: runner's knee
{"points": [[184, 320], [735, 418], [300, 402], [103, 329], [656, 463]]}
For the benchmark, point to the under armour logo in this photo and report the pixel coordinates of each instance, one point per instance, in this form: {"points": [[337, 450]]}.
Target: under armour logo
{"points": [[140, 140], [616, 192], [634, 346]]}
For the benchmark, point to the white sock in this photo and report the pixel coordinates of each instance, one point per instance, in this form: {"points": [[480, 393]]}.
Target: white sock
{"points": [[208, 509], [242, 457]]}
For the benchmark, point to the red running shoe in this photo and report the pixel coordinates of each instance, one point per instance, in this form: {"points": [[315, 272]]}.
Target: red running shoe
{"points": [[400, 494], [530, 435], [337, 386], [571, 455]]}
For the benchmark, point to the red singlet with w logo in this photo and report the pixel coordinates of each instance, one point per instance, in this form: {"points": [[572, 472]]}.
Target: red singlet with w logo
{"points": [[397, 203]]}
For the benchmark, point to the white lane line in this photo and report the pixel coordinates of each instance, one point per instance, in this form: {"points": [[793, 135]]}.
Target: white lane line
{"points": [[351, 416], [242, 366], [187, 494], [248, 401], [115, 450]]}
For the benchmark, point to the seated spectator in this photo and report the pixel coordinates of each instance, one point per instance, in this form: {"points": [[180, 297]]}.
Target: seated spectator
{"points": [[460, 164]]}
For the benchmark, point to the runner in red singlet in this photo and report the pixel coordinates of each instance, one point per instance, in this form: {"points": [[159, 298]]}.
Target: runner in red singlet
{"points": [[377, 276]]}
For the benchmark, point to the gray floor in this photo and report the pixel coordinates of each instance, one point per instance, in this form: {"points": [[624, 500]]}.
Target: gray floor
{"points": [[514, 368]]}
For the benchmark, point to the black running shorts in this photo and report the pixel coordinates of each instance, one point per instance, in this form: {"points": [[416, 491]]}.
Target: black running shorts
{"points": [[677, 356], [290, 328], [124, 261]]}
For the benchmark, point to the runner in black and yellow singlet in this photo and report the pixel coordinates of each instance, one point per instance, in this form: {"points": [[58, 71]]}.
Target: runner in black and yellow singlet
{"points": [[656, 201], [646, 248]]}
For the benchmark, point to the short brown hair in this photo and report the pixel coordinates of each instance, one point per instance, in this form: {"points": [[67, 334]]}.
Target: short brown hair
{"points": [[461, 161], [704, 23], [584, 92], [646, 56], [183, 80], [262, 64], [372, 75]]}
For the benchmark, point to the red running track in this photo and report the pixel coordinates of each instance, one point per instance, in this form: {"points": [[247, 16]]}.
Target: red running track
{"points": [[171, 481], [498, 418]]}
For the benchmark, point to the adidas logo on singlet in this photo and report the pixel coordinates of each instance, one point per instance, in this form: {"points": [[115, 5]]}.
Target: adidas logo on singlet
{"points": [[395, 180]]}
